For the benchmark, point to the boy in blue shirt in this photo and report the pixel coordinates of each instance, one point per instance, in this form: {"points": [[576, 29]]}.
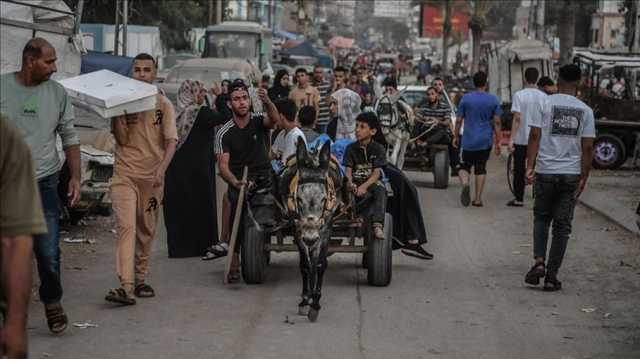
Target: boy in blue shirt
{"points": [[480, 112]]}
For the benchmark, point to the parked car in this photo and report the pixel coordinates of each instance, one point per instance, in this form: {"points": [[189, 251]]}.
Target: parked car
{"points": [[208, 70]]}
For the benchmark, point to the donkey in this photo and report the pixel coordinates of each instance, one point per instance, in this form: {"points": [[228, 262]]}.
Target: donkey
{"points": [[312, 201], [396, 121]]}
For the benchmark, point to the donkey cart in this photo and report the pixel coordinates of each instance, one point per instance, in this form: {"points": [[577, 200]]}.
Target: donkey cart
{"points": [[350, 233], [311, 212]]}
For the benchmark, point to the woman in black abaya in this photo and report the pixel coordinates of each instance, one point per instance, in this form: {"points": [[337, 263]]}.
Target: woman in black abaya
{"points": [[190, 192]]}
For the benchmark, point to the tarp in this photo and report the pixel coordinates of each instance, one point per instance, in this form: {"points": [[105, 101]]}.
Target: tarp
{"points": [[94, 61], [607, 60], [287, 35], [526, 49], [68, 47], [341, 42], [303, 49]]}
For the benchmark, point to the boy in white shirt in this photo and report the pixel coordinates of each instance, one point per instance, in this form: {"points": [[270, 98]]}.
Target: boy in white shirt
{"points": [[284, 145], [526, 104]]}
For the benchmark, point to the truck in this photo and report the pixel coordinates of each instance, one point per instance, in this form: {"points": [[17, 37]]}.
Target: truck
{"points": [[242, 40], [612, 90]]}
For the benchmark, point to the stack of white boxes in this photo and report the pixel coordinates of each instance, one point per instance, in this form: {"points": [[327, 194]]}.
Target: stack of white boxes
{"points": [[109, 94]]}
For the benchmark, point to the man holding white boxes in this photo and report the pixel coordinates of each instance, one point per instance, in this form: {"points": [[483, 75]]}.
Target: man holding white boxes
{"points": [[145, 144]]}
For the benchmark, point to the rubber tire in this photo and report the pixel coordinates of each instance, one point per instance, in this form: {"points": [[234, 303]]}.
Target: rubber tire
{"points": [[379, 254], [619, 146], [253, 256], [441, 169]]}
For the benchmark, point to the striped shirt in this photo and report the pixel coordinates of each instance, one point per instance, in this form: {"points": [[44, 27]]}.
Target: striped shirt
{"points": [[440, 112], [323, 115]]}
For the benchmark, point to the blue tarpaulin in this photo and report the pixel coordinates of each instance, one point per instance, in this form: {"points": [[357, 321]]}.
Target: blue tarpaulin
{"points": [[94, 61]]}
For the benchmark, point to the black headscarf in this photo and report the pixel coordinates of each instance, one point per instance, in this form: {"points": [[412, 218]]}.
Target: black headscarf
{"points": [[278, 92]]}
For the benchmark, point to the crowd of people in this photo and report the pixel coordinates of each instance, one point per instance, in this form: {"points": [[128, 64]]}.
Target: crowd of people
{"points": [[168, 155]]}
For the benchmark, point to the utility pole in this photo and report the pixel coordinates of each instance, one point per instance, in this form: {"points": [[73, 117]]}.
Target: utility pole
{"points": [[636, 16], [116, 29], [210, 22], [219, 12], [122, 9]]}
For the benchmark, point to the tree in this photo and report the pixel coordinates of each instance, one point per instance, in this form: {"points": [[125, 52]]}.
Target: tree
{"points": [[477, 24], [563, 14], [174, 18]]}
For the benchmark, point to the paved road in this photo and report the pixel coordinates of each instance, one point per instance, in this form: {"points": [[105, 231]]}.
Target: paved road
{"points": [[470, 302]]}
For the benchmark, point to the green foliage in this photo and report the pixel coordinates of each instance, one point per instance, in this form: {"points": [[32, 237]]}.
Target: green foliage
{"points": [[174, 18]]}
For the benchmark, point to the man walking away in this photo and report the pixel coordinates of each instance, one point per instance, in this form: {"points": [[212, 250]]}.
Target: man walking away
{"points": [[480, 113], [525, 104], [145, 144], [41, 109], [560, 147], [424, 67], [324, 89], [20, 218]]}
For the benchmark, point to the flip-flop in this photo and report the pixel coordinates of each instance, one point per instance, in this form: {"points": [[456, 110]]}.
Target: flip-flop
{"points": [[513, 203], [234, 277], [416, 250], [477, 204], [144, 290], [214, 252], [119, 296]]}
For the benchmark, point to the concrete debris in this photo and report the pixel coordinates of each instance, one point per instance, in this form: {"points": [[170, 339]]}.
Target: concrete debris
{"points": [[85, 325], [588, 310], [78, 240]]}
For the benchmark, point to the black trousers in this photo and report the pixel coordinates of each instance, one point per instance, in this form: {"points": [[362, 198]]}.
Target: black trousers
{"points": [[519, 167], [553, 207], [375, 203]]}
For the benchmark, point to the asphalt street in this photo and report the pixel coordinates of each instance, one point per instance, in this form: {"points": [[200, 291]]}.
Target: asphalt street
{"points": [[469, 302]]}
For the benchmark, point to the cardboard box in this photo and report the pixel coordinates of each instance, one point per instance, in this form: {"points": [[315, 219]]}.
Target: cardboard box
{"points": [[109, 94]]}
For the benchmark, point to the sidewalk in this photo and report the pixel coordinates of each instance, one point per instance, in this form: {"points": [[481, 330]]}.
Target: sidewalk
{"points": [[614, 195]]}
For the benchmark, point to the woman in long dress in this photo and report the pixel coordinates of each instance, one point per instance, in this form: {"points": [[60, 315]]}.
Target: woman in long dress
{"points": [[190, 184]]}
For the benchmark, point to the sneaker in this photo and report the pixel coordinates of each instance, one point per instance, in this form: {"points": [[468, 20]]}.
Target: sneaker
{"points": [[535, 273], [465, 196], [378, 232], [551, 283]]}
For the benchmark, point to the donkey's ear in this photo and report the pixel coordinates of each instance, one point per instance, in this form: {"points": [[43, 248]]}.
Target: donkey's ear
{"points": [[325, 155], [301, 151]]}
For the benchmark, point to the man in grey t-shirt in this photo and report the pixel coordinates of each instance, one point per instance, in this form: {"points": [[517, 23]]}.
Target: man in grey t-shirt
{"points": [[561, 140], [41, 110]]}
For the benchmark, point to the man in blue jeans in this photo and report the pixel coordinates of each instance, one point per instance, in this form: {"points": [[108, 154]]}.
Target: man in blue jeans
{"points": [[559, 158], [41, 109], [480, 113]]}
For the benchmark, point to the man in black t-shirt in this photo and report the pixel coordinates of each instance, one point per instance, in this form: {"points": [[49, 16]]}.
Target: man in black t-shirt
{"points": [[241, 142]]}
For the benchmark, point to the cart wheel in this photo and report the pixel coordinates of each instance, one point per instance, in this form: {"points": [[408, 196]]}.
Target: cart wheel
{"points": [[254, 256], [441, 169], [379, 255], [609, 152]]}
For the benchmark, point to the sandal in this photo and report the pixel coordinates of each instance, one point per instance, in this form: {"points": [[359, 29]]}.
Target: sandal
{"points": [[119, 296], [477, 204], [56, 318], [416, 250], [216, 251], [514, 203], [143, 290]]}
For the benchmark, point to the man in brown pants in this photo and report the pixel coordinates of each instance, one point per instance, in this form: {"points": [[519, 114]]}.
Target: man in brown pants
{"points": [[145, 144]]}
